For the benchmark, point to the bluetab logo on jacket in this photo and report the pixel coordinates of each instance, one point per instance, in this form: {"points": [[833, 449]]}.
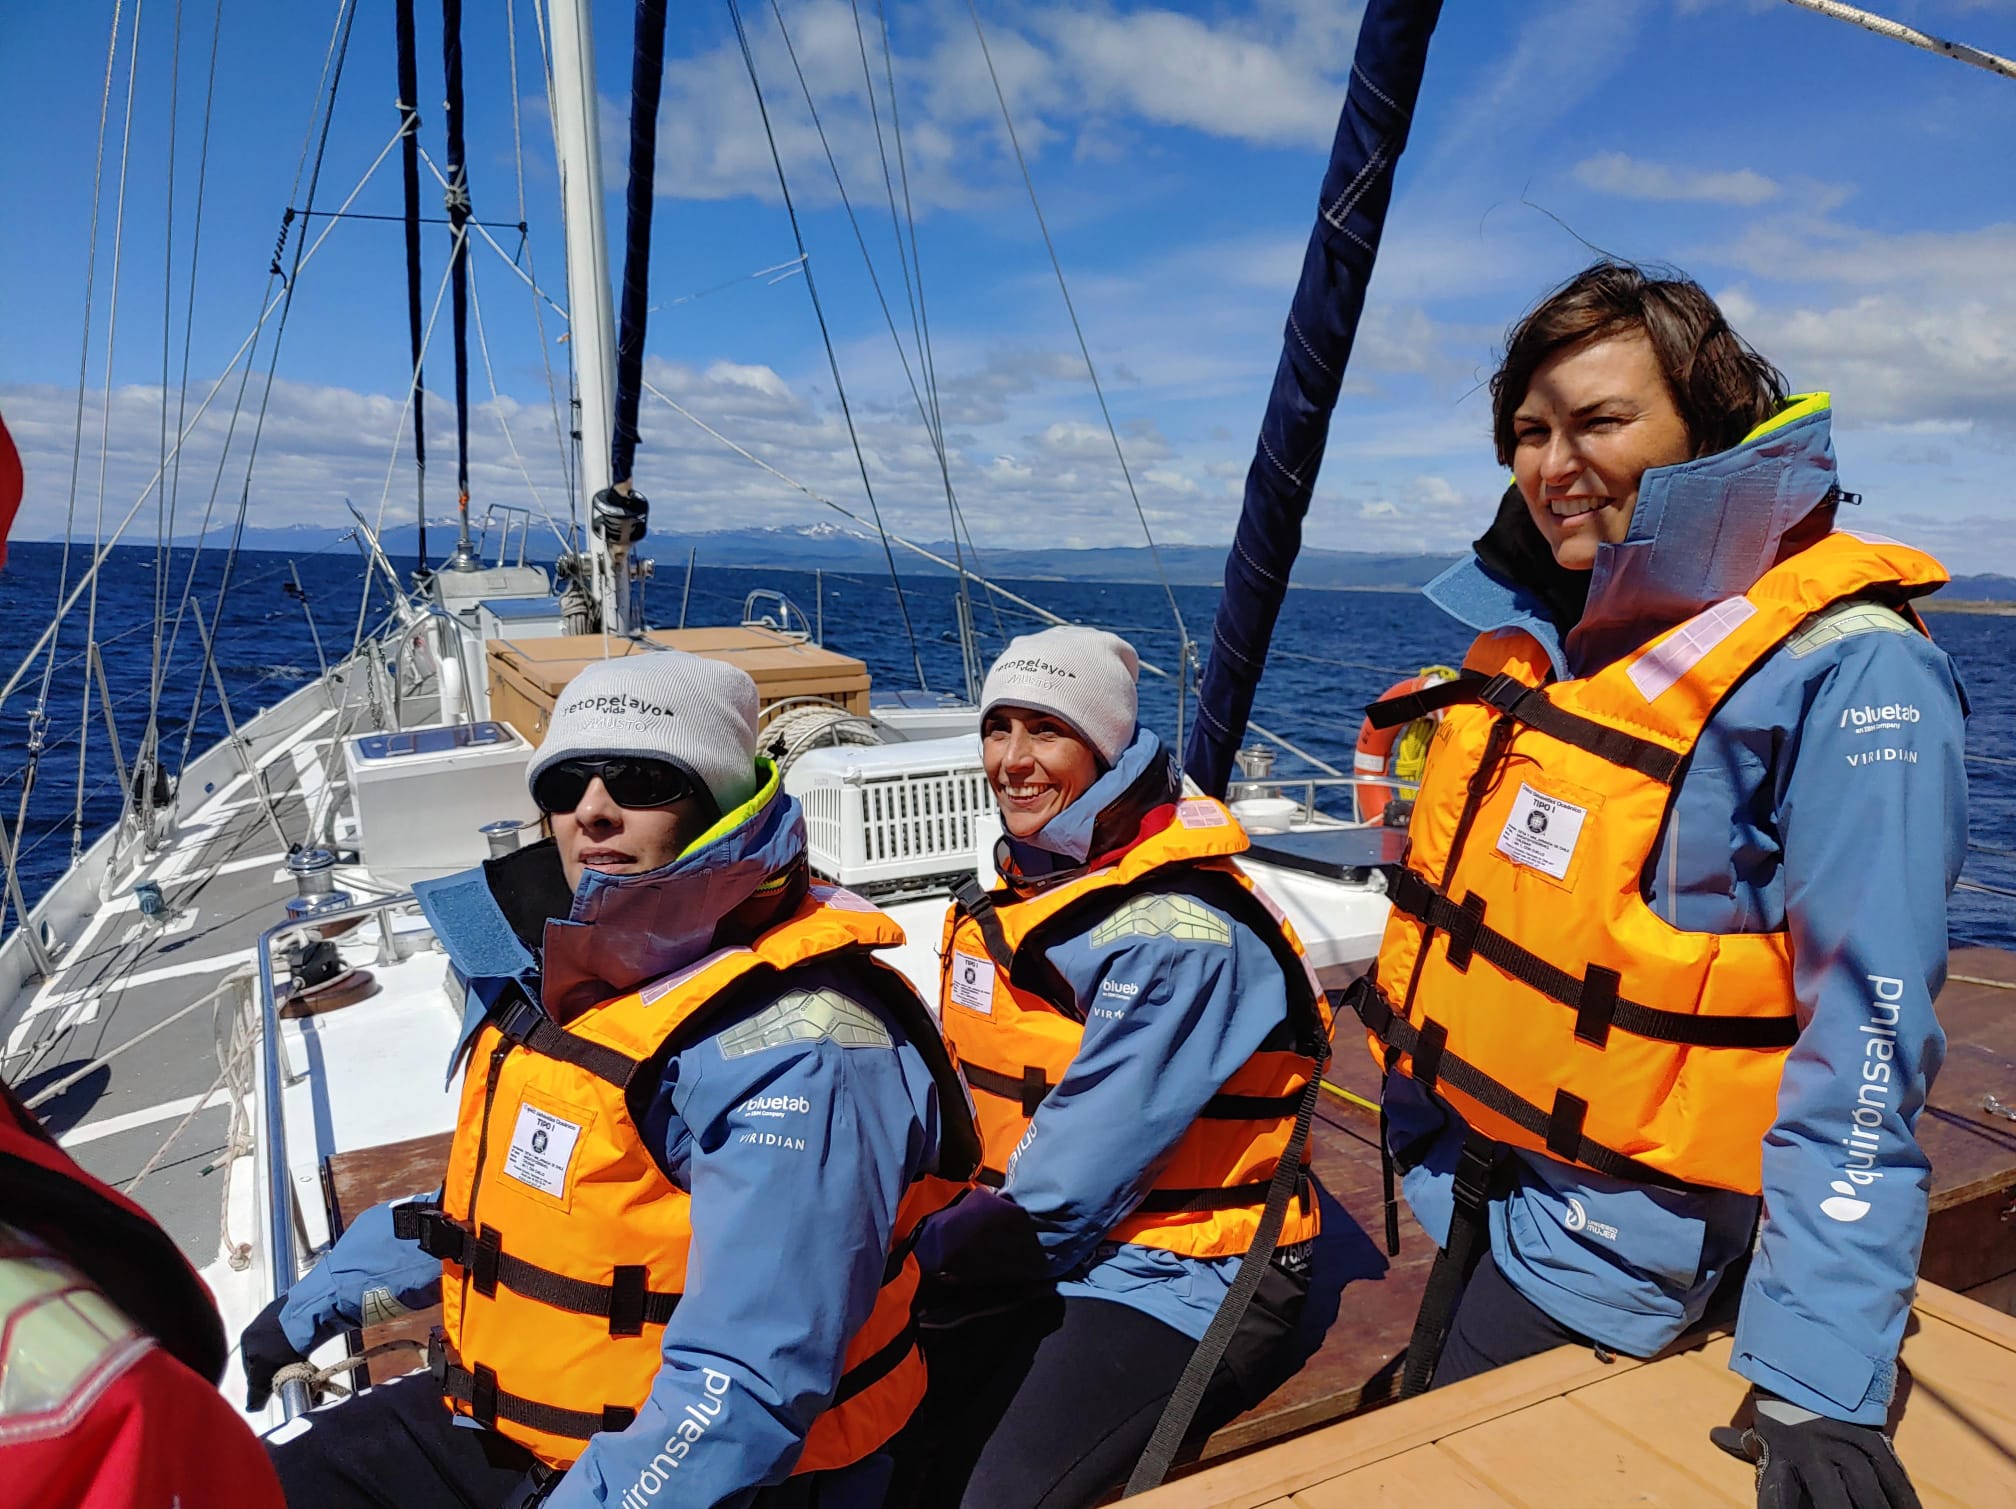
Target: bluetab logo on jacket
{"points": [[775, 1105], [1872, 1103], [1868, 718]]}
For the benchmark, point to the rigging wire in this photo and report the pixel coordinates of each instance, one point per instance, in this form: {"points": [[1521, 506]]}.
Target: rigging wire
{"points": [[174, 485], [935, 432], [161, 519], [1078, 330], [105, 421], [333, 73], [919, 313], [560, 434], [38, 718], [826, 338], [271, 309], [497, 407]]}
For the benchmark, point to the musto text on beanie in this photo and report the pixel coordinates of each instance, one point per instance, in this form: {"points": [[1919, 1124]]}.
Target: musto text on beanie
{"points": [[661, 705], [1084, 676]]}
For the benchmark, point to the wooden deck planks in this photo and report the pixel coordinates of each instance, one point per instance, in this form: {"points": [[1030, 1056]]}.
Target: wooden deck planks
{"points": [[1559, 1451], [1564, 1431], [1425, 1476]]}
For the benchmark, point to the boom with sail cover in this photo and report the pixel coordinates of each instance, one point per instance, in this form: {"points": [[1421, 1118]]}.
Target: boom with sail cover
{"points": [[1322, 323]]}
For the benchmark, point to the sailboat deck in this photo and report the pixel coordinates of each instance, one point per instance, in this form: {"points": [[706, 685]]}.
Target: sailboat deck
{"points": [[1566, 1430]]}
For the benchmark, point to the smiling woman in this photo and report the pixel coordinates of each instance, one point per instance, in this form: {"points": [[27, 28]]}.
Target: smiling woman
{"points": [[1641, 925]]}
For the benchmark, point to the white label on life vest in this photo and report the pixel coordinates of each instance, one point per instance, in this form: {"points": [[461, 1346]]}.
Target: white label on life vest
{"points": [[973, 982], [1542, 832], [542, 1145], [1660, 667], [1200, 812]]}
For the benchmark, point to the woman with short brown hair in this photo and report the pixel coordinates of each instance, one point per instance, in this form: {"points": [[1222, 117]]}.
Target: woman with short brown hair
{"points": [[1661, 965]]}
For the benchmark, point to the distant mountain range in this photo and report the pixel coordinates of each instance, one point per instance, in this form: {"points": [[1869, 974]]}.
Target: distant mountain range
{"points": [[831, 548], [835, 548]]}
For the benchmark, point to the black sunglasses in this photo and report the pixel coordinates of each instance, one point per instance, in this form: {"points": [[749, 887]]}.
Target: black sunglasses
{"points": [[630, 782]]}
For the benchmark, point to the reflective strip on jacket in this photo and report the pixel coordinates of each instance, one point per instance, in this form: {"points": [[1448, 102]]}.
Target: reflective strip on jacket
{"points": [[574, 1243], [1012, 1027], [1522, 977]]}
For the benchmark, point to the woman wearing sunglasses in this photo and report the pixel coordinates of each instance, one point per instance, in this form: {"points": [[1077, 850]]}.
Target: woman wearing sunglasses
{"points": [[1139, 1032], [699, 1125]]}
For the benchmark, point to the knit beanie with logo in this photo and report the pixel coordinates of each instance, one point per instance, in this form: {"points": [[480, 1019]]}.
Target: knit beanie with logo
{"points": [[699, 714], [1084, 676]]}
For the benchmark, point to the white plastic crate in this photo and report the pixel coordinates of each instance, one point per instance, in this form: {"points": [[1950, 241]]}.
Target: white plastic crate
{"points": [[893, 812]]}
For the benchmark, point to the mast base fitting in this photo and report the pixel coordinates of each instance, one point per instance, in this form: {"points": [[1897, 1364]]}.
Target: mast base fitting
{"points": [[619, 517]]}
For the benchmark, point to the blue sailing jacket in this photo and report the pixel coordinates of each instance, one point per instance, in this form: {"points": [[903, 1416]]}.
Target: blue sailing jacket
{"points": [[1780, 823], [1194, 1016], [788, 1248]]}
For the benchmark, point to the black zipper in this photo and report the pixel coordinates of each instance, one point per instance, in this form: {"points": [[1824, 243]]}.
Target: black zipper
{"points": [[497, 1056]]}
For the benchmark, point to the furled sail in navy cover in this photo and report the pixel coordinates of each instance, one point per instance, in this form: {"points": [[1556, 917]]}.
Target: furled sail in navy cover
{"points": [[1322, 322]]}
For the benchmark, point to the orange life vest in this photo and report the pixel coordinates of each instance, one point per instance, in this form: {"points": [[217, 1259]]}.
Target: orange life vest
{"points": [[564, 1245], [1015, 1030], [1522, 977]]}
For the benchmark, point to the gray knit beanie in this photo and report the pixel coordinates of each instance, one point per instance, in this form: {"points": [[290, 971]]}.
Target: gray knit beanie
{"points": [[1084, 676], [697, 713]]}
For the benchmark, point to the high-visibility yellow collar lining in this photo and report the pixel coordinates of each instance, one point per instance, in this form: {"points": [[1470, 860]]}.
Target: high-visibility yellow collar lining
{"points": [[1797, 407], [730, 821]]}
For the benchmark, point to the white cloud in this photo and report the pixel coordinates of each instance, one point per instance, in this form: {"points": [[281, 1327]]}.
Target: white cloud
{"points": [[1078, 76], [1634, 178]]}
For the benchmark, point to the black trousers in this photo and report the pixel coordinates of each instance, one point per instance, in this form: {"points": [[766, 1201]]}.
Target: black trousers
{"points": [[396, 1447], [1496, 1324], [1048, 1403]]}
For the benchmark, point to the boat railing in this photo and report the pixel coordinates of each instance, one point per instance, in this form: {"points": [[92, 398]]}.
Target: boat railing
{"points": [[283, 1256], [1310, 785]]}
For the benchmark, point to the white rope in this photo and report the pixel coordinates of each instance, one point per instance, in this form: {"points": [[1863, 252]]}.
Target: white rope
{"points": [[1897, 31], [49, 1092]]}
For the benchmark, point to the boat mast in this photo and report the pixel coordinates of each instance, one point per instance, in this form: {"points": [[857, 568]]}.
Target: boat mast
{"points": [[591, 322]]}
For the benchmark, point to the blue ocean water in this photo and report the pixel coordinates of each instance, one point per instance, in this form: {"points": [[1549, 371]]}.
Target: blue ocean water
{"points": [[1332, 653]]}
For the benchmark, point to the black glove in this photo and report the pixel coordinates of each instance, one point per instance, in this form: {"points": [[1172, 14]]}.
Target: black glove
{"points": [[265, 1350], [1807, 1461]]}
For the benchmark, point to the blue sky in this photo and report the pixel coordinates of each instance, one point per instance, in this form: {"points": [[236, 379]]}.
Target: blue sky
{"points": [[1847, 198]]}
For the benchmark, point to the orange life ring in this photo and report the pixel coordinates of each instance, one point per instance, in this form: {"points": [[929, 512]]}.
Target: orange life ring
{"points": [[1378, 747]]}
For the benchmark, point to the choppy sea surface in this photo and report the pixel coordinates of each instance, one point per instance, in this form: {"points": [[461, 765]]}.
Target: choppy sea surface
{"points": [[1332, 653]]}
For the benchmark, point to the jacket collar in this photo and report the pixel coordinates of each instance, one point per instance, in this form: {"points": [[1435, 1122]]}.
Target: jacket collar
{"points": [[616, 932], [1703, 531], [730, 884], [1109, 816], [1707, 529]]}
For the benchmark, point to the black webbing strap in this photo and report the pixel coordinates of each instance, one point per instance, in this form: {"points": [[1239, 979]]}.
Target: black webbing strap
{"points": [[477, 1388], [1593, 998], [1026, 1089], [625, 1303], [878, 1365], [1181, 1410], [1029, 1088], [529, 1027], [1529, 705], [972, 899], [1549, 1125], [1164, 1202], [1391, 712], [1476, 1173]]}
